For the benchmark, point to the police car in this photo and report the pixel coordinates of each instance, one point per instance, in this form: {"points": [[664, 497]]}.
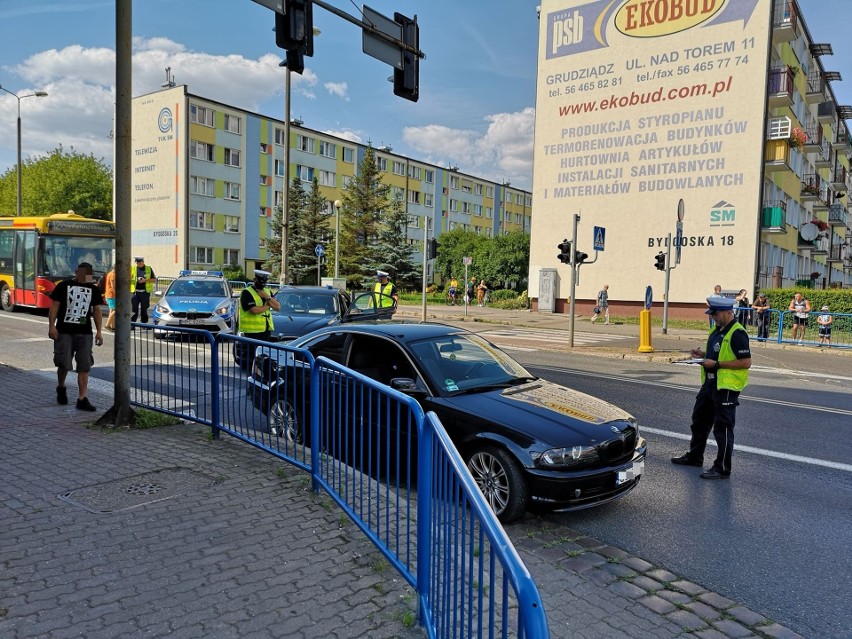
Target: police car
{"points": [[198, 299]]}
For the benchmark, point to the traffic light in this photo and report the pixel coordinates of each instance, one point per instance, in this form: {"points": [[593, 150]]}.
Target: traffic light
{"points": [[432, 251], [660, 261], [564, 252], [406, 81], [294, 32], [580, 257]]}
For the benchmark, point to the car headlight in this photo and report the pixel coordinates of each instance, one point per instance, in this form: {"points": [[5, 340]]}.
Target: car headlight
{"points": [[568, 457], [163, 310], [224, 311]]}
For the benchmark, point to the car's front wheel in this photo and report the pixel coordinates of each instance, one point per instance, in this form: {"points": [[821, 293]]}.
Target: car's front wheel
{"points": [[284, 421], [500, 480]]}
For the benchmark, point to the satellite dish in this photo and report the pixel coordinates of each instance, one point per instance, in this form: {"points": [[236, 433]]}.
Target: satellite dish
{"points": [[808, 231]]}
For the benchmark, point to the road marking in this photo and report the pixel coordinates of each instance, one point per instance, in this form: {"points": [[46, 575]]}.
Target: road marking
{"points": [[693, 389], [32, 339], [500, 337], [756, 451]]}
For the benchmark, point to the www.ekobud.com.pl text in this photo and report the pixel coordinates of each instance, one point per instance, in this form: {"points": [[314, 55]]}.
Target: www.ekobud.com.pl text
{"points": [[639, 98]]}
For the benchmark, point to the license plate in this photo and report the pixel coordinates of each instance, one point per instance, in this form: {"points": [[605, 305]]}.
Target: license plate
{"points": [[629, 474], [192, 322]]}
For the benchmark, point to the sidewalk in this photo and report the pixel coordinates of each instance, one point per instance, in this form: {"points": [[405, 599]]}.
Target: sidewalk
{"points": [[165, 532]]}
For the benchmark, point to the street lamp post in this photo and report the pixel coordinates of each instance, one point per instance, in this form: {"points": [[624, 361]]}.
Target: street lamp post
{"points": [[37, 94], [337, 205]]}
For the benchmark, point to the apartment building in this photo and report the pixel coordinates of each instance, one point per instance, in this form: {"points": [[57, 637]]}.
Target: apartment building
{"points": [[208, 177]]}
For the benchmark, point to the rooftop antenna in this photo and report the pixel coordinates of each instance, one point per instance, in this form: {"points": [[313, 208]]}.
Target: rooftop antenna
{"points": [[170, 79]]}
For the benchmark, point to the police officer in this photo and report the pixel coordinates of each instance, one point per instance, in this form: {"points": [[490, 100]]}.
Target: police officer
{"points": [[256, 306], [389, 295], [724, 373], [142, 280]]}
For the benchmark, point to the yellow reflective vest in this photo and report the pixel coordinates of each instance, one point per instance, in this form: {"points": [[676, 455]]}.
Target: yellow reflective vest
{"points": [[728, 378], [386, 299], [149, 286], [255, 322]]}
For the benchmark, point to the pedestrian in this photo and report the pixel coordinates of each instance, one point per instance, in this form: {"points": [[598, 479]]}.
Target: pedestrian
{"points": [[717, 291], [73, 304], [388, 295], [471, 291], [743, 308], [109, 295], [481, 292], [724, 373], [800, 307], [454, 289], [142, 280], [761, 308], [603, 305], [824, 320], [256, 306]]}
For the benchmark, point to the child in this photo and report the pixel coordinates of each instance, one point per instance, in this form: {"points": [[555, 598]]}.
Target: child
{"points": [[824, 320]]}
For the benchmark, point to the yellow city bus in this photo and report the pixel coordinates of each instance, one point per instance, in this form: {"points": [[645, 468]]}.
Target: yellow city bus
{"points": [[38, 252]]}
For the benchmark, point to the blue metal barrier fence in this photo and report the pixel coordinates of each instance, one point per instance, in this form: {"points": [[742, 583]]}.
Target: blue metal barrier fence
{"points": [[777, 326], [392, 469]]}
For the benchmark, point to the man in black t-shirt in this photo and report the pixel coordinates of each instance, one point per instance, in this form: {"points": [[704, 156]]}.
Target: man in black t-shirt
{"points": [[73, 305]]}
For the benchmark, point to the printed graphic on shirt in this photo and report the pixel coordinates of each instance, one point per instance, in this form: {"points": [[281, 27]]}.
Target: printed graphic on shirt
{"points": [[77, 306]]}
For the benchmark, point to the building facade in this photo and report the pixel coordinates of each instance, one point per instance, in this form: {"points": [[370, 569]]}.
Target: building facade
{"points": [[725, 105], [208, 178]]}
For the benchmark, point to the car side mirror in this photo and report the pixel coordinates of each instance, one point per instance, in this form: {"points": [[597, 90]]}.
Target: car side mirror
{"points": [[404, 384]]}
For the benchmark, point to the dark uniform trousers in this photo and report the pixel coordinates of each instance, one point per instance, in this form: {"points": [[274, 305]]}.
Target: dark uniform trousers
{"points": [[714, 409], [139, 302]]}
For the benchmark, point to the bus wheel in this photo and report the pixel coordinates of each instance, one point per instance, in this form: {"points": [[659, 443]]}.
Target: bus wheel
{"points": [[6, 298]]}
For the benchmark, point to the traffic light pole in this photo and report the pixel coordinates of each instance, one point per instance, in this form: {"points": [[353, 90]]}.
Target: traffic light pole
{"points": [[669, 268], [425, 254], [574, 267]]}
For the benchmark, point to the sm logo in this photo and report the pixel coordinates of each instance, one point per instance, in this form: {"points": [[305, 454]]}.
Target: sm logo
{"points": [[566, 29], [723, 214]]}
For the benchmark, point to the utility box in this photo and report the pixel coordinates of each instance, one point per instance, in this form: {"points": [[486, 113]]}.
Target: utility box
{"points": [[548, 280]]}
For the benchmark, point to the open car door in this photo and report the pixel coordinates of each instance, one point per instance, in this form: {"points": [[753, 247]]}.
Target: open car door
{"points": [[370, 306]]}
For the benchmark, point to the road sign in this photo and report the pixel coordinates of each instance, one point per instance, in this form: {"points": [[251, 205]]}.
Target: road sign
{"points": [[599, 238], [649, 298], [319, 250], [467, 261], [377, 47], [679, 233]]}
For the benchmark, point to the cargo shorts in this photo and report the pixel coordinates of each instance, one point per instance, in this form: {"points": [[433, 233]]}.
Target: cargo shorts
{"points": [[68, 349]]}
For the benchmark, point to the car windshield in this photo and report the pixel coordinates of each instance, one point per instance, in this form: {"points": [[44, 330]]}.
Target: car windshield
{"points": [[297, 302], [467, 363], [197, 288]]}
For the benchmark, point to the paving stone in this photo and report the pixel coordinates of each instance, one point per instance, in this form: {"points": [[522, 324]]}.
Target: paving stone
{"points": [[746, 616], [646, 583], [661, 575], [704, 611], [627, 589], [582, 563], [715, 600], [619, 570], [688, 587], [687, 620], [657, 604], [732, 629], [777, 631], [712, 633], [639, 565]]}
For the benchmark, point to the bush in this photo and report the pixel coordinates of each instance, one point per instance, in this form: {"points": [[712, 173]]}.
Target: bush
{"points": [[838, 300], [509, 300]]}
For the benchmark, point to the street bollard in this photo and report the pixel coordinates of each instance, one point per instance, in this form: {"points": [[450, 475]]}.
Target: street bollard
{"points": [[645, 332]]}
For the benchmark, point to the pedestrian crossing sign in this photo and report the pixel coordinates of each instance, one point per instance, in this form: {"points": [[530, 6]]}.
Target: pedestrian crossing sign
{"points": [[599, 238]]}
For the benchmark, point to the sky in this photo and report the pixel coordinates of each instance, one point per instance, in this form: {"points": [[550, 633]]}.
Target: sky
{"points": [[477, 82]]}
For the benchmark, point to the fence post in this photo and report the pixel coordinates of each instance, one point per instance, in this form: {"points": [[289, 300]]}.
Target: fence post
{"points": [[314, 424], [214, 387], [424, 513]]}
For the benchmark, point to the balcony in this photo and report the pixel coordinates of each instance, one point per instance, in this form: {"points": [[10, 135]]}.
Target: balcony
{"points": [[835, 253], [823, 156], [820, 205], [827, 112], [839, 176], [815, 92], [837, 215], [811, 186], [820, 246], [814, 141], [777, 156], [781, 87], [785, 24], [774, 218], [841, 140]]}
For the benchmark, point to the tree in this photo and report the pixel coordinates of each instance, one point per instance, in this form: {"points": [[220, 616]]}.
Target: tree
{"points": [[60, 182], [364, 200], [393, 249], [295, 206], [506, 259], [308, 230], [455, 245]]}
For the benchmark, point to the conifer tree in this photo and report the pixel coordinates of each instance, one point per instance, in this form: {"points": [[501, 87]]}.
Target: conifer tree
{"points": [[308, 230], [395, 253]]}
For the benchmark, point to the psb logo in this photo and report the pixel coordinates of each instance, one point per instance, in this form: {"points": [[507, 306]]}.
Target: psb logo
{"points": [[164, 120], [566, 29], [723, 214]]}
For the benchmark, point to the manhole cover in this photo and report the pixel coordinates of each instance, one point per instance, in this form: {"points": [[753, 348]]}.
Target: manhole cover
{"points": [[130, 492]]}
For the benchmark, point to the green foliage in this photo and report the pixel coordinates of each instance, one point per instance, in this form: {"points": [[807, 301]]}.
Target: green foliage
{"points": [[837, 300], [394, 252], [308, 228], [57, 183], [509, 300], [455, 245], [234, 272], [501, 261]]}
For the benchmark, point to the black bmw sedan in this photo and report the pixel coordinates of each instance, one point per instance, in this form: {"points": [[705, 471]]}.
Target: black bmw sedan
{"points": [[526, 441]]}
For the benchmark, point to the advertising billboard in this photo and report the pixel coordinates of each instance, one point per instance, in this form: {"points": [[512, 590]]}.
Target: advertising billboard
{"points": [[641, 103]]}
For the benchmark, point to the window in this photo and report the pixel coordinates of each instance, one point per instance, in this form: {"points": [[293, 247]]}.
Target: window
{"points": [[232, 123], [381, 164], [304, 143], [346, 180], [454, 182], [414, 172], [305, 173], [517, 218], [507, 216], [327, 178], [466, 207], [414, 221], [201, 150], [201, 186], [477, 210], [279, 168], [201, 220], [452, 225], [201, 115], [397, 193], [519, 198], [232, 157], [279, 198], [232, 257], [430, 176], [508, 197], [428, 199], [489, 212], [489, 191], [327, 149], [467, 187], [262, 211], [264, 147], [349, 154], [477, 189], [414, 197], [398, 168], [454, 205], [232, 191], [261, 243], [264, 180], [279, 137], [201, 254], [232, 224]]}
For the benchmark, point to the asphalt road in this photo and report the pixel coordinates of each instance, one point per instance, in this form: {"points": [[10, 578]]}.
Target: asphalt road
{"points": [[776, 537]]}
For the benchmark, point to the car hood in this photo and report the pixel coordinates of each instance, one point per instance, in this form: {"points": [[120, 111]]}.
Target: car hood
{"points": [[549, 412], [188, 302], [298, 324]]}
